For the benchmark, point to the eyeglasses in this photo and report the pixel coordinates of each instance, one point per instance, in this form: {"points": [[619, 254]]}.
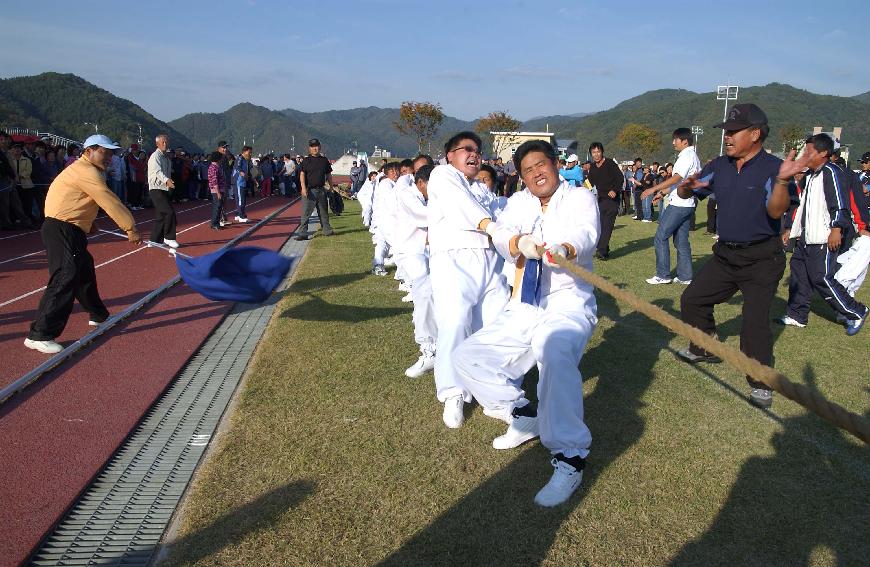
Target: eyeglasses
{"points": [[469, 149]]}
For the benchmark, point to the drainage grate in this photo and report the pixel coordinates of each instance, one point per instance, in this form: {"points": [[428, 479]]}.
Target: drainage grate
{"points": [[121, 517]]}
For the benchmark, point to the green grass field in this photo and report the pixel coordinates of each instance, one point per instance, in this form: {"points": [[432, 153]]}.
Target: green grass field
{"points": [[333, 457]]}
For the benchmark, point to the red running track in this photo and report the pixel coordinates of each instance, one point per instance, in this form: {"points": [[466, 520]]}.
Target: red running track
{"points": [[57, 435]]}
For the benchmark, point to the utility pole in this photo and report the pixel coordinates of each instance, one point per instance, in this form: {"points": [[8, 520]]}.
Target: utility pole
{"points": [[726, 93], [696, 132], [140, 134]]}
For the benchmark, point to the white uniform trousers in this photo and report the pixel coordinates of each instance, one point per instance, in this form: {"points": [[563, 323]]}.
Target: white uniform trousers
{"points": [[468, 293], [492, 362], [416, 267], [382, 250]]}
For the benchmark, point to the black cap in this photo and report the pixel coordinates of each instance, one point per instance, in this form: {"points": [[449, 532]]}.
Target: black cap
{"points": [[865, 158], [313, 142], [223, 144], [743, 116]]}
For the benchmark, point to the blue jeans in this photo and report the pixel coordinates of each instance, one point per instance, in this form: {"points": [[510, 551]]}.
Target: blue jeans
{"points": [[647, 207], [674, 221], [241, 197]]}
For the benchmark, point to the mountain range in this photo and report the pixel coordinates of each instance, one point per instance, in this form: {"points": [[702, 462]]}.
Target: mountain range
{"points": [[63, 103], [68, 106]]}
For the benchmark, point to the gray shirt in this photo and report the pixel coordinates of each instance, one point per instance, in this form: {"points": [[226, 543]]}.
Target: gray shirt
{"points": [[159, 171]]}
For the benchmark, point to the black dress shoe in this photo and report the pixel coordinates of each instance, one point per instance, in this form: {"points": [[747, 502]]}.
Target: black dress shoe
{"points": [[300, 237]]}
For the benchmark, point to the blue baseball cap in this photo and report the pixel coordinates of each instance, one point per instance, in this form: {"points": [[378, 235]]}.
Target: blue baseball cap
{"points": [[102, 141]]}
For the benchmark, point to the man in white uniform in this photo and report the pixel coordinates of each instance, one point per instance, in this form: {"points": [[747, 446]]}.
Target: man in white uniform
{"points": [[548, 321], [467, 289], [383, 213], [364, 196], [411, 236]]}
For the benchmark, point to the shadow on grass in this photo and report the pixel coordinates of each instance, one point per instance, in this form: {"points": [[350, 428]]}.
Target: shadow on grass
{"points": [[233, 527], [498, 523], [795, 507], [316, 309], [326, 282]]}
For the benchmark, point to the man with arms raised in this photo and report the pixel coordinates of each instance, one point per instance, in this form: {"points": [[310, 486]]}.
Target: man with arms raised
{"points": [[467, 288], [751, 188], [548, 321], [72, 203]]}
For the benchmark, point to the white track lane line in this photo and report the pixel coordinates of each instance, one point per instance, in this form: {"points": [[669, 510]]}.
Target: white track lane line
{"points": [[98, 218], [98, 235], [144, 247]]}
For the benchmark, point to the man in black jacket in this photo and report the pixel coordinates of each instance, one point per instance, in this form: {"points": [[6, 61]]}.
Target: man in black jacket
{"points": [[607, 178]]}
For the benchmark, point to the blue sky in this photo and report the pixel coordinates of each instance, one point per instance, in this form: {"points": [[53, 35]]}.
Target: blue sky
{"points": [[530, 58]]}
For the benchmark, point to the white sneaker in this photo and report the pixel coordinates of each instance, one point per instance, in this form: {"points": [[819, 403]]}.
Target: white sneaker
{"points": [[565, 480], [684, 282], [424, 364], [644, 220], [47, 347], [93, 323], [241, 219], [655, 280], [453, 415], [786, 320], [499, 414], [389, 261], [407, 298], [520, 430], [171, 243]]}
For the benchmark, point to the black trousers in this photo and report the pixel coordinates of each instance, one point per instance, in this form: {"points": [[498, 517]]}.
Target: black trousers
{"points": [[711, 216], [755, 271], [164, 216], [638, 205], [607, 209], [71, 277], [812, 267], [316, 199]]}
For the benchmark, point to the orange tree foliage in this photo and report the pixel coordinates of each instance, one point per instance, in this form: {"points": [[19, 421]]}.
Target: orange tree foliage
{"points": [[420, 120], [496, 121]]}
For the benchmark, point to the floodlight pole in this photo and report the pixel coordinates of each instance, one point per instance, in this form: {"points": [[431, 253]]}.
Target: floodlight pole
{"points": [[726, 93], [696, 132]]}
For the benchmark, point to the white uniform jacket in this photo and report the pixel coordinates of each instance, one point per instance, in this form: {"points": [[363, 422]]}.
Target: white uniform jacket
{"points": [[455, 209], [412, 220], [384, 207], [825, 205], [571, 217]]}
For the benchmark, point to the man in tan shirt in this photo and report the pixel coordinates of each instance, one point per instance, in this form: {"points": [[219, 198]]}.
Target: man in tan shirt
{"points": [[72, 203]]}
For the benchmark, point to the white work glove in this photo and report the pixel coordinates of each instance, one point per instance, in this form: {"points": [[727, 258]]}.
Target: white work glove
{"points": [[527, 245], [554, 249]]}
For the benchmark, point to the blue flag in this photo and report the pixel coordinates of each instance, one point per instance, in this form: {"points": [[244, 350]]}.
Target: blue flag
{"points": [[247, 274]]}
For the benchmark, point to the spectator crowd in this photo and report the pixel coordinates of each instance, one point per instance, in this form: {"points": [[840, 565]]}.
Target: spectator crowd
{"points": [[28, 167]]}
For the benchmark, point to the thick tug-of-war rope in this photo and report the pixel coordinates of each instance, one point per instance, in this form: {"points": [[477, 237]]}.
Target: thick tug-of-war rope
{"points": [[808, 398]]}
